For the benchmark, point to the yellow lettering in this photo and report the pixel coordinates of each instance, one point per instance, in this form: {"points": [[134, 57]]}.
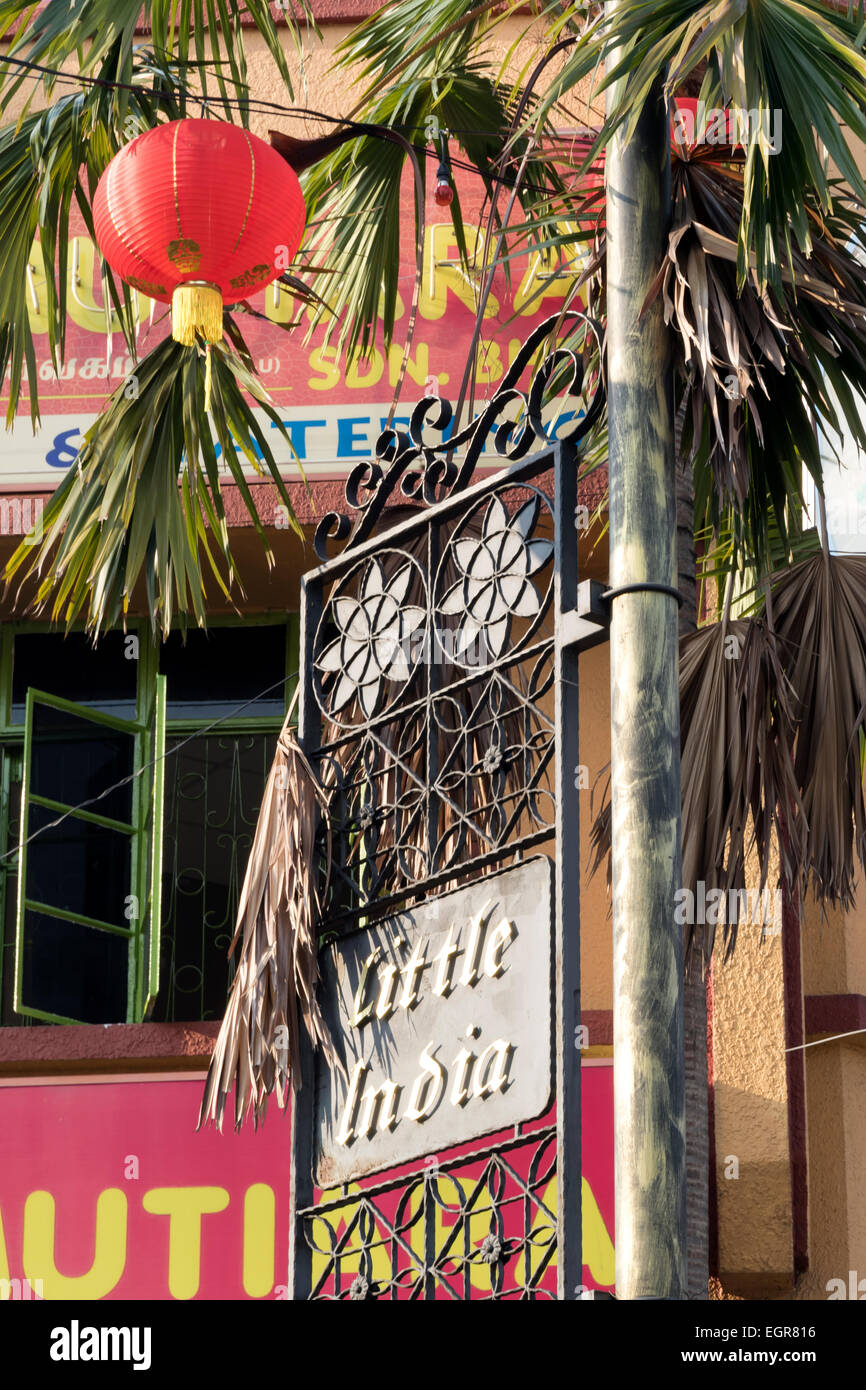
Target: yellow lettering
{"points": [[418, 371], [279, 304], [4, 1260], [373, 367], [109, 1247], [598, 1250], [324, 360], [540, 281], [80, 302], [35, 293], [260, 1226], [350, 1261], [490, 367], [443, 272], [81, 305], [185, 1207], [312, 311]]}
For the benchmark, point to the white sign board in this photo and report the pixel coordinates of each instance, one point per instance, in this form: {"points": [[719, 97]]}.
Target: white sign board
{"points": [[442, 1015]]}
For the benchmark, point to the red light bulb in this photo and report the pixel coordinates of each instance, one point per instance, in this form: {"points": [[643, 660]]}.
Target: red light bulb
{"points": [[444, 193]]}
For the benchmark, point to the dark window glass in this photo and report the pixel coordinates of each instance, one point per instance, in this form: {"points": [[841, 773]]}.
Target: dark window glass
{"points": [[214, 672], [9, 881], [74, 971], [74, 759], [78, 866], [213, 789], [104, 675]]}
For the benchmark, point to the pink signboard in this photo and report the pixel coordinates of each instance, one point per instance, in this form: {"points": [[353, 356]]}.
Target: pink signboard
{"points": [[108, 1192], [333, 410]]}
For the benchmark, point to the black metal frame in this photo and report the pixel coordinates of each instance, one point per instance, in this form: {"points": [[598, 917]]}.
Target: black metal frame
{"points": [[416, 803]]}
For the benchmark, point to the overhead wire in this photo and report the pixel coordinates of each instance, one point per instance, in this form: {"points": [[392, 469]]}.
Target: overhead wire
{"points": [[258, 105], [145, 767]]}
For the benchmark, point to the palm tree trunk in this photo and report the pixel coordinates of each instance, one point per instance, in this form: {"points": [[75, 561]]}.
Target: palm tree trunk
{"points": [[649, 1119], [694, 983]]}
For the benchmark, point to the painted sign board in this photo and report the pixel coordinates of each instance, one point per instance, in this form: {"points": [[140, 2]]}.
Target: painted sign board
{"points": [[442, 1015], [334, 410], [108, 1192]]}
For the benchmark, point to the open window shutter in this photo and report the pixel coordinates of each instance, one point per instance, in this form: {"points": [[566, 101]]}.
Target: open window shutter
{"points": [[152, 858], [83, 874]]}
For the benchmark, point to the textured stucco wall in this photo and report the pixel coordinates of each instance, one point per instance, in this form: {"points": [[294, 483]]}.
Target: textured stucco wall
{"points": [[834, 948], [751, 1118], [834, 963]]}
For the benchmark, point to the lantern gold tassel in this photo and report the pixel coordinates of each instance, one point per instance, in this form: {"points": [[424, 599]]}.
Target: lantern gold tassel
{"points": [[208, 377], [196, 309]]}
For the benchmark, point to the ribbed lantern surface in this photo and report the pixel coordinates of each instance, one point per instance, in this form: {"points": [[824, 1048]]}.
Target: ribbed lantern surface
{"points": [[200, 213]]}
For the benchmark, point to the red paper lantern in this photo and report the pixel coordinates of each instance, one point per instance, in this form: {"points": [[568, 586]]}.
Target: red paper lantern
{"points": [[201, 213]]}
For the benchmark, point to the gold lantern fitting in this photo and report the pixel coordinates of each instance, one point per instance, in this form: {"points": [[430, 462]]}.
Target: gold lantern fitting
{"points": [[197, 311]]}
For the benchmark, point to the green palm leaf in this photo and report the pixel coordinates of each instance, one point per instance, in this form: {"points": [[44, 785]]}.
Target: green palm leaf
{"points": [[48, 161], [802, 60], [144, 497], [99, 31]]}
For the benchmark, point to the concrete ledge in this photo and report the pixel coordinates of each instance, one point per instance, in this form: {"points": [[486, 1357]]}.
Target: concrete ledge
{"points": [[114, 1047]]}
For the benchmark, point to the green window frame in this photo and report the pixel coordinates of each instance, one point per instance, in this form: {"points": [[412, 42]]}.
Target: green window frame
{"points": [[148, 730], [143, 832]]}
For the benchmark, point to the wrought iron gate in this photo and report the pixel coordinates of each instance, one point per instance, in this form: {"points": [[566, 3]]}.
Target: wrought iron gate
{"points": [[439, 707]]}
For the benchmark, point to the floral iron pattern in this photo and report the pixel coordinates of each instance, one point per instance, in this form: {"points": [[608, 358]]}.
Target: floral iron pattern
{"points": [[375, 640], [429, 715], [495, 584]]}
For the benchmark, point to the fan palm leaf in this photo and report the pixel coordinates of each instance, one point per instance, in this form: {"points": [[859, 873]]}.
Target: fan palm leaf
{"points": [[98, 30], [819, 615], [804, 61]]}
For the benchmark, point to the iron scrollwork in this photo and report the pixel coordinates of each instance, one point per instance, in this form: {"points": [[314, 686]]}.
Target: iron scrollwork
{"points": [[428, 472], [479, 1225], [430, 714]]}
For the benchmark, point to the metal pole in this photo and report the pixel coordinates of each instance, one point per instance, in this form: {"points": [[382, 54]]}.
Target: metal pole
{"points": [[569, 1232], [645, 768], [301, 1185]]}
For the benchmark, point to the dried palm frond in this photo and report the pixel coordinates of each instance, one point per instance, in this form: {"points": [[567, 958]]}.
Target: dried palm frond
{"points": [[285, 889], [755, 362], [819, 614], [738, 787], [600, 832], [274, 988]]}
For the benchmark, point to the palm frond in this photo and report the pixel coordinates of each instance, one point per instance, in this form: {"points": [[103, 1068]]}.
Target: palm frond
{"points": [[353, 197], [50, 160], [803, 61], [819, 615], [144, 496], [739, 791], [757, 364], [273, 992], [101, 29]]}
